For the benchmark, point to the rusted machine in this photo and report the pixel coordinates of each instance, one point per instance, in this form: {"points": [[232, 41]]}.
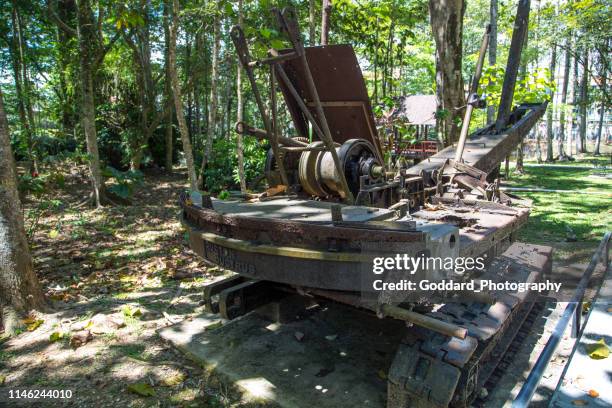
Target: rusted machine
{"points": [[340, 204]]}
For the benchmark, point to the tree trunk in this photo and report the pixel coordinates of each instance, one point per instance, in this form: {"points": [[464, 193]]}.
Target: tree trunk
{"points": [[573, 141], [140, 45], [86, 35], [602, 114], [311, 21], [523, 74], [20, 290], [22, 87], [584, 101], [519, 159], [538, 146], [566, 77], [240, 102], [194, 100], [492, 52], [326, 9], [446, 18], [376, 64], [66, 12], [388, 65], [549, 114], [169, 136], [212, 111], [178, 104]]}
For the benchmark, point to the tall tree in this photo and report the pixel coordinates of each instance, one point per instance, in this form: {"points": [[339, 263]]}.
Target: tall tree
{"points": [[178, 102], [20, 290], [92, 50], [86, 33], [602, 107], [326, 9], [169, 129], [549, 114], [446, 17], [523, 73], [23, 85], [137, 36], [492, 51], [66, 10], [584, 101], [212, 110], [240, 102], [564, 88], [312, 40]]}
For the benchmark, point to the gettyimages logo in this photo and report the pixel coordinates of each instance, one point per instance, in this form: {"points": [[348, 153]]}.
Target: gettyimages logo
{"points": [[423, 263]]}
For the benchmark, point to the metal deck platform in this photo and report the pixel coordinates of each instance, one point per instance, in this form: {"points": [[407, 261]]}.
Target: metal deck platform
{"points": [[299, 210]]}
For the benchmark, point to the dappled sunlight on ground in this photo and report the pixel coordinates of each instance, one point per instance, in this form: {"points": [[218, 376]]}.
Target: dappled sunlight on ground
{"points": [[119, 273]]}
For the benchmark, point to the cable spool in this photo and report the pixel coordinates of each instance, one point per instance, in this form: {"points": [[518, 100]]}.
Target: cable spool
{"points": [[318, 174]]}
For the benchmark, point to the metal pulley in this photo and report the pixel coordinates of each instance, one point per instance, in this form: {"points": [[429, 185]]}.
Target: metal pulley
{"points": [[318, 175], [290, 162]]}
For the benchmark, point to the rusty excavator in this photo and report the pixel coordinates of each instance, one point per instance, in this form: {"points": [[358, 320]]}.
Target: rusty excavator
{"points": [[340, 202]]}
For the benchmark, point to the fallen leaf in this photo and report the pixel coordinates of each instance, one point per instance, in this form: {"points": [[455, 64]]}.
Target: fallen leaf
{"points": [[593, 393], [142, 389], [55, 336], [214, 325], [382, 375], [53, 234], [35, 325], [80, 338], [29, 320], [272, 191], [585, 307], [173, 380], [2, 379], [129, 312], [599, 350]]}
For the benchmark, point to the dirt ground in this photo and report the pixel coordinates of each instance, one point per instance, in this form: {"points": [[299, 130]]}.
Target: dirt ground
{"points": [[113, 277], [118, 273]]}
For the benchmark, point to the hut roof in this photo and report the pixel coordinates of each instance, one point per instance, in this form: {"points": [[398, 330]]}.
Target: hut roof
{"points": [[417, 109]]}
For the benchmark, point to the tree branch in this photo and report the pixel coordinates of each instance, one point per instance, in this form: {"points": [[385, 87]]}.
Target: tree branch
{"points": [[102, 53], [60, 23]]}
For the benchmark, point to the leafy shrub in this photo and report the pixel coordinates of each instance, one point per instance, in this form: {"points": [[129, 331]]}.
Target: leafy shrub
{"points": [[29, 184], [123, 181]]}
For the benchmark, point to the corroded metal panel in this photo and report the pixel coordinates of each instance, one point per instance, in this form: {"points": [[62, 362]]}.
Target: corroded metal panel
{"points": [[342, 91]]}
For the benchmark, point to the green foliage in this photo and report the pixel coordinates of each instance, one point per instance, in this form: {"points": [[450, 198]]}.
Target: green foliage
{"points": [[124, 181], [536, 86], [35, 213], [29, 184]]}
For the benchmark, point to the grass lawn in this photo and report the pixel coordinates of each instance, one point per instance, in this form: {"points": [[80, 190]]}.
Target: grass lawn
{"points": [[588, 215]]}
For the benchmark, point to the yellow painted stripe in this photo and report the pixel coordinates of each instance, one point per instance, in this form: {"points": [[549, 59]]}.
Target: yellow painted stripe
{"points": [[291, 252]]}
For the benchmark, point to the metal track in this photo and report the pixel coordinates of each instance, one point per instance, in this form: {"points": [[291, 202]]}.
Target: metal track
{"points": [[430, 370], [508, 358]]}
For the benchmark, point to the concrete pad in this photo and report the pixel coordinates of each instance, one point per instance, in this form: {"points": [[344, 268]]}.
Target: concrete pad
{"points": [[341, 361]]}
